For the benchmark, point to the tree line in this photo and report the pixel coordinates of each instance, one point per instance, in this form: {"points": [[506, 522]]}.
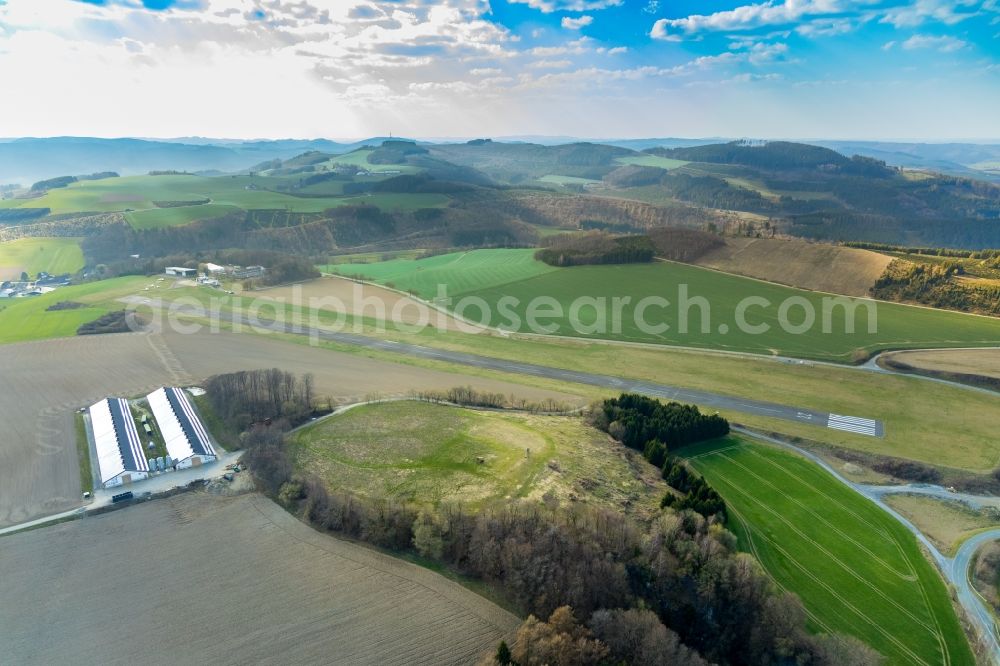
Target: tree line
{"points": [[635, 420], [242, 399], [935, 286], [595, 247], [696, 494]]}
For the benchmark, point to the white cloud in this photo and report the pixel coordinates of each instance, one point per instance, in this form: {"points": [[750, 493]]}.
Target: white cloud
{"points": [[617, 50], [751, 16], [762, 54], [574, 47], [825, 27], [942, 43], [576, 23], [331, 58], [549, 6], [551, 64], [948, 12]]}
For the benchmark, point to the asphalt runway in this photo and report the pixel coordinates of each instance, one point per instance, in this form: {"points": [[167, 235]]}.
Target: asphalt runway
{"points": [[858, 425]]}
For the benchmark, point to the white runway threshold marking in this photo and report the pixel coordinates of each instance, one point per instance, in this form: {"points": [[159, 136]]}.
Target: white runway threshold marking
{"points": [[853, 424]]}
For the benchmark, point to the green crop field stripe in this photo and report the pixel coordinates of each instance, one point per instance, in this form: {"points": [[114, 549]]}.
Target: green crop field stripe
{"points": [[909, 575], [848, 569], [856, 570]]}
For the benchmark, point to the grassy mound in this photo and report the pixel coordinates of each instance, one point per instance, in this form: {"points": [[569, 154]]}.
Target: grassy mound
{"points": [[426, 452]]}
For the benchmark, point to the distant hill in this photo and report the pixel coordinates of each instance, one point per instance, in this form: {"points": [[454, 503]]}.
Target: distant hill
{"points": [[972, 160], [776, 156], [816, 192], [521, 162], [32, 159]]}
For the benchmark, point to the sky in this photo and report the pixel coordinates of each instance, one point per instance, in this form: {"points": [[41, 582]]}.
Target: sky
{"points": [[836, 69]]}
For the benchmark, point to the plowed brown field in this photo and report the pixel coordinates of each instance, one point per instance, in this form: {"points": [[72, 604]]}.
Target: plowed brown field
{"points": [[199, 578]]}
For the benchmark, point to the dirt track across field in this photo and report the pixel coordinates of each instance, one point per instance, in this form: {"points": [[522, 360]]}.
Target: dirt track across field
{"points": [[46, 381], [815, 266], [200, 578]]}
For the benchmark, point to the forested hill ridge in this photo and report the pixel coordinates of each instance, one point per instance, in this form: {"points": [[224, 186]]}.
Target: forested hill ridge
{"points": [[484, 192], [779, 156]]}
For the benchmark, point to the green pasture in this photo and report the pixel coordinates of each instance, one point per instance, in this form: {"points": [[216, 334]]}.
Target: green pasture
{"points": [[53, 255], [23, 319], [674, 304], [462, 272], [137, 195], [156, 218]]}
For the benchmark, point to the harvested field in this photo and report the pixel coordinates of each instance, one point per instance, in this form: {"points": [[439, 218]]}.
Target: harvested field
{"points": [[38, 459], [815, 266], [340, 295], [969, 362], [248, 583], [945, 523]]}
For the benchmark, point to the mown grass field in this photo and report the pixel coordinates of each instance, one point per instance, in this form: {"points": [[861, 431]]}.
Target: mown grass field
{"points": [[23, 319], [422, 452], [54, 255], [496, 274], [856, 569]]}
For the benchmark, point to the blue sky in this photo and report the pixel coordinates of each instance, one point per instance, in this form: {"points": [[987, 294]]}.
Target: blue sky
{"points": [[862, 69]]}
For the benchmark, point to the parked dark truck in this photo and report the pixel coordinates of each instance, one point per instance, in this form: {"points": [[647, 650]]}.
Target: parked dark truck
{"points": [[122, 497]]}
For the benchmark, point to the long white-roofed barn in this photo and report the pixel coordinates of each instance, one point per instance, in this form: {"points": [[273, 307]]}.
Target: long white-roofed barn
{"points": [[119, 450], [187, 441]]}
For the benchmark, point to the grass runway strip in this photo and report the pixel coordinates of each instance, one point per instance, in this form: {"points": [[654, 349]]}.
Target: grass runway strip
{"points": [[855, 568]]}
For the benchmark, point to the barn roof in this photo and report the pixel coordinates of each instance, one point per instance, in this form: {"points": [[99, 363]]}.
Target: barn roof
{"points": [[116, 438], [181, 428]]}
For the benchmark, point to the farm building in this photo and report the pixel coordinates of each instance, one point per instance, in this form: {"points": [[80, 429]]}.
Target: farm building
{"points": [[214, 268], [186, 438], [119, 449], [248, 272], [180, 271]]}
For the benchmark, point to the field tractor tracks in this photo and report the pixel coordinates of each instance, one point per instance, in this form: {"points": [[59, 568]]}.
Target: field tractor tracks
{"points": [[171, 363]]}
